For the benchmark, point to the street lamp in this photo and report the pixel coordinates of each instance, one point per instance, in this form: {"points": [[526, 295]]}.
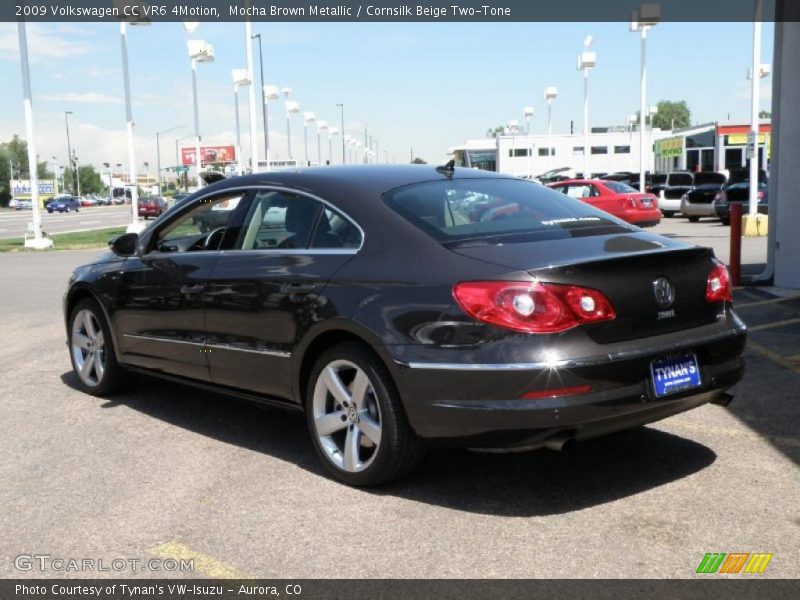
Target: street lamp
{"points": [[73, 184], [642, 21], [332, 132], [586, 62], [550, 94], [136, 225], [264, 115], [240, 78], [38, 240], [251, 95], [527, 112], [321, 126], [308, 117], [199, 51], [341, 105], [270, 92], [292, 107], [158, 152]]}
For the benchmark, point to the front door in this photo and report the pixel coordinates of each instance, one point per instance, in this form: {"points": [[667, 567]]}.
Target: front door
{"points": [[267, 291], [160, 313]]}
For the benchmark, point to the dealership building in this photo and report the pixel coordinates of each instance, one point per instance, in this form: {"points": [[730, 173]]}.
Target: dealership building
{"points": [[707, 147]]}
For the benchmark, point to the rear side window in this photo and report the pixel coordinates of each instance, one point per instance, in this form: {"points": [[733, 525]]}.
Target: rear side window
{"points": [[481, 209], [619, 188]]}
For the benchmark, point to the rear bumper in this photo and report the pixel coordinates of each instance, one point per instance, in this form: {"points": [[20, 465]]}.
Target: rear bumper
{"points": [[482, 405], [691, 209], [642, 217], [723, 209], [669, 204]]}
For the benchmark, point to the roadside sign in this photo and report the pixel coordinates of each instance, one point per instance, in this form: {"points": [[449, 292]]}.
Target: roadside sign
{"points": [[181, 169]]}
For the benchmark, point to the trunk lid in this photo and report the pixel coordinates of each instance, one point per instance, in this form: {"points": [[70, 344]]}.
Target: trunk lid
{"points": [[623, 267]]}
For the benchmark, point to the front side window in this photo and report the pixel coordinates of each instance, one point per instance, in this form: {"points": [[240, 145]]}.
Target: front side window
{"points": [[202, 228], [476, 210]]}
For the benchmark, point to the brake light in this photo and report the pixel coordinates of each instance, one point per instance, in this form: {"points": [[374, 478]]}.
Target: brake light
{"points": [[760, 195], [532, 307], [718, 288]]}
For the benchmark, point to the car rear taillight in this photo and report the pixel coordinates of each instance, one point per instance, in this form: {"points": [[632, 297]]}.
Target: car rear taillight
{"points": [[532, 307], [760, 195], [718, 287]]}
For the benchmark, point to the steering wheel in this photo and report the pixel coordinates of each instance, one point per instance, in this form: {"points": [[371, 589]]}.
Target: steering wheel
{"points": [[214, 238]]}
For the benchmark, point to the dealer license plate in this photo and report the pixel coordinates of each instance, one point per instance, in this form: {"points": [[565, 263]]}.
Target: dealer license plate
{"points": [[675, 374]]}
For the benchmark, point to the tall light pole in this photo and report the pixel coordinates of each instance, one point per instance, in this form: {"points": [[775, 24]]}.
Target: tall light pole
{"points": [[73, 175], [239, 77], [643, 20], [270, 92], [136, 225], [550, 94], [38, 241], [200, 51], [321, 126], [158, 152], [586, 62], [527, 112], [292, 107], [178, 158], [332, 132], [757, 71], [251, 96], [341, 106], [264, 116], [308, 117]]}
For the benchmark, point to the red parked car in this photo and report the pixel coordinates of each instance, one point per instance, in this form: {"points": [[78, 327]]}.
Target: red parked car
{"points": [[151, 207], [613, 197]]}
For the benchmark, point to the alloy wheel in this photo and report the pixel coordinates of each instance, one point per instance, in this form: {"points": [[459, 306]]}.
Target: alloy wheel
{"points": [[88, 348], [347, 416]]}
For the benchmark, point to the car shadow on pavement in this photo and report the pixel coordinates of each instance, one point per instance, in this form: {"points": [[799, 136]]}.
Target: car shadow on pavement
{"points": [[542, 482]]}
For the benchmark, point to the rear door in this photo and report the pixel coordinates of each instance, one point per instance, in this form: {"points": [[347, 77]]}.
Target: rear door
{"points": [[268, 290]]}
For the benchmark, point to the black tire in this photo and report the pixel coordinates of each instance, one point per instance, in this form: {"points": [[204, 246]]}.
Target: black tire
{"points": [[399, 450], [694, 219], [725, 220], [113, 375], [668, 213]]}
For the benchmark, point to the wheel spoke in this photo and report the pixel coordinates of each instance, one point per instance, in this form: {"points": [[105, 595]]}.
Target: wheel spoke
{"points": [[86, 369], [331, 423], [359, 388], [335, 386], [80, 340], [88, 325], [370, 428], [99, 368], [99, 340], [352, 444]]}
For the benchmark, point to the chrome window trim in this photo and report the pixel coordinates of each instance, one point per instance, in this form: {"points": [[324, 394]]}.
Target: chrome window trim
{"points": [[277, 188], [276, 353]]}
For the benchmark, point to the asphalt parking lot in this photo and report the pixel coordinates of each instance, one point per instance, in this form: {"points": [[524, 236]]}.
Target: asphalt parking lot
{"points": [[165, 471]]}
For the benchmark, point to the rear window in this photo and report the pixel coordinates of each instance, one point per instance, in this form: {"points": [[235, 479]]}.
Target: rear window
{"points": [[680, 179], [619, 188], [659, 179], [482, 209], [707, 177]]}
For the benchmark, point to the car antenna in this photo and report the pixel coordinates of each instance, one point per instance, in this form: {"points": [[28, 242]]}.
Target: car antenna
{"points": [[447, 169]]}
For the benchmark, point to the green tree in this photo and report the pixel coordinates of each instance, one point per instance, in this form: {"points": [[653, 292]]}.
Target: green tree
{"points": [[14, 154], [91, 183], [670, 115], [495, 132], [765, 114], [418, 161]]}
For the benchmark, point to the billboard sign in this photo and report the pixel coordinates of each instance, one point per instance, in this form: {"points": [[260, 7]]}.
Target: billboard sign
{"points": [[21, 188], [210, 154]]}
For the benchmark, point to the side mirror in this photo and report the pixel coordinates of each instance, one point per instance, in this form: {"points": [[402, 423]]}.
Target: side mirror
{"points": [[125, 244]]}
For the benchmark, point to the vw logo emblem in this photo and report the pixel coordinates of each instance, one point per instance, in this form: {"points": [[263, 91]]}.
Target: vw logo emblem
{"points": [[664, 292]]}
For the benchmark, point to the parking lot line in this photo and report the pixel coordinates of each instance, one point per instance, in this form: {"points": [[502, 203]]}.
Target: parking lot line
{"points": [[787, 363], [763, 302], [206, 565], [774, 324]]}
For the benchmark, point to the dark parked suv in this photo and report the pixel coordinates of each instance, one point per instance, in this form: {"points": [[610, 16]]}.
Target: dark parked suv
{"points": [[737, 191]]}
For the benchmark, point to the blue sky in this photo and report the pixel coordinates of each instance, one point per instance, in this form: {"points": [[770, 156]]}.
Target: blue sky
{"points": [[429, 85]]}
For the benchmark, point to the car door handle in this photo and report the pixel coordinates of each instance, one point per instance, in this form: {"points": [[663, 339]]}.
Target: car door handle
{"points": [[192, 289]]}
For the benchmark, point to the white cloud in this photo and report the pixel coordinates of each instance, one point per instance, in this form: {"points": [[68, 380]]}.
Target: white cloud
{"points": [[44, 44], [84, 98]]}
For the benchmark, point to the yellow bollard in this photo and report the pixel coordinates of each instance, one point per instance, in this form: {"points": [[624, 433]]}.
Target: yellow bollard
{"points": [[754, 225]]}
